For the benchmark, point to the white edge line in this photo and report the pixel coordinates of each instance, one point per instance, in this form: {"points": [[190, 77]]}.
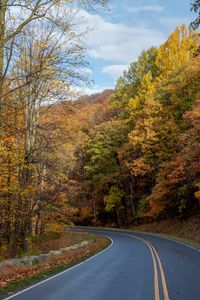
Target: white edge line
{"points": [[166, 238], [65, 271], [158, 235]]}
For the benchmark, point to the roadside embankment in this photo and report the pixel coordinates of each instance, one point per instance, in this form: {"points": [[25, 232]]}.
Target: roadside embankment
{"points": [[179, 229], [19, 272]]}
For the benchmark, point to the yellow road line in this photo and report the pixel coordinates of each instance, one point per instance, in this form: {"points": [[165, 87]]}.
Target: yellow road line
{"points": [[155, 255], [156, 284], [164, 284]]}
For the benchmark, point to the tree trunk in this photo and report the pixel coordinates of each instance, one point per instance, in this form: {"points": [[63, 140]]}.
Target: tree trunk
{"points": [[3, 7], [8, 222], [31, 115], [125, 212], [37, 223], [118, 217], [132, 197]]}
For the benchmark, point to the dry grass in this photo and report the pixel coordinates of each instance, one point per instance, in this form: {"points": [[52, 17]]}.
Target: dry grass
{"points": [[46, 243], [11, 274], [187, 229]]}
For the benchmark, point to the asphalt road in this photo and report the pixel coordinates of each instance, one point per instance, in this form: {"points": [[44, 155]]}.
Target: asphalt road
{"points": [[134, 267]]}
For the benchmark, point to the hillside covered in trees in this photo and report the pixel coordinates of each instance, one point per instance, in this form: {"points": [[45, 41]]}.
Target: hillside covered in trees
{"points": [[137, 153], [116, 158], [134, 154]]}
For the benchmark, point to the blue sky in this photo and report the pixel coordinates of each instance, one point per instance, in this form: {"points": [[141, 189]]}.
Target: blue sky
{"points": [[124, 29]]}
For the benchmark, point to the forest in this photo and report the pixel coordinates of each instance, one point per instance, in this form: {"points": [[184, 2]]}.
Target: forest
{"points": [[118, 158], [137, 148]]}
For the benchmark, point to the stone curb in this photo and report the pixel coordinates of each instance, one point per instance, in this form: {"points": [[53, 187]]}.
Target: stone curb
{"points": [[36, 259]]}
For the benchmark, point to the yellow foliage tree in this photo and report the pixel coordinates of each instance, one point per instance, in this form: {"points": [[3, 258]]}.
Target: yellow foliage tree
{"points": [[176, 51]]}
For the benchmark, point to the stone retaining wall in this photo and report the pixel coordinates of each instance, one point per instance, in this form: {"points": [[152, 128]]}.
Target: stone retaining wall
{"points": [[36, 259]]}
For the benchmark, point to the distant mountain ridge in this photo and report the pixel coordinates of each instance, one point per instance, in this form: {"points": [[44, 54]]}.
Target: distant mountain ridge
{"points": [[95, 98]]}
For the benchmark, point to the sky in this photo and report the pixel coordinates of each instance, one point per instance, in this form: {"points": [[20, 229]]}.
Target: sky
{"points": [[123, 29]]}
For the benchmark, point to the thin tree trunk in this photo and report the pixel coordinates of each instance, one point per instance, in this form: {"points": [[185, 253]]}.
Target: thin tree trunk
{"points": [[125, 212], [3, 7], [132, 197], [31, 115], [37, 223], [8, 222], [117, 214], [94, 208]]}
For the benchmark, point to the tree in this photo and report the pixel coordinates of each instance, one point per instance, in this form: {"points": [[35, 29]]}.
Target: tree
{"points": [[101, 159], [39, 69], [176, 51], [18, 15], [156, 109], [38, 72], [129, 84], [178, 178], [113, 201], [195, 6]]}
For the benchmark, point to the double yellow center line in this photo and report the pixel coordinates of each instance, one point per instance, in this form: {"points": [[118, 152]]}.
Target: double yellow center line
{"points": [[155, 256], [156, 263]]}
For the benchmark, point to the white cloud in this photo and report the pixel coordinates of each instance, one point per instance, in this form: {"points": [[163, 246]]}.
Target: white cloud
{"points": [[114, 70], [150, 8], [93, 90], [118, 42]]}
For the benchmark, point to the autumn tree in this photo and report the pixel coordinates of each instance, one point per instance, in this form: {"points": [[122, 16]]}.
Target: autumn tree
{"points": [[113, 201], [39, 69], [176, 51], [128, 85], [195, 6], [102, 164], [177, 183], [16, 16], [155, 103]]}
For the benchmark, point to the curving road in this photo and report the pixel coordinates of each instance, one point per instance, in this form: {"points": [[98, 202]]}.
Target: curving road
{"points": [[136, 266]]}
